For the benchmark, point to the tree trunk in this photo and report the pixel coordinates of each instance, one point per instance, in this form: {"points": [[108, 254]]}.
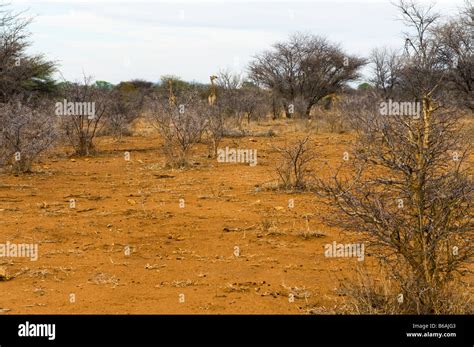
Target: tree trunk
{"points": [[308, 110], [285, 107]]}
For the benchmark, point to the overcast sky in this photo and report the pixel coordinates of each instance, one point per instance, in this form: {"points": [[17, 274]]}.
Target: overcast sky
{"points": [[123, 40]]}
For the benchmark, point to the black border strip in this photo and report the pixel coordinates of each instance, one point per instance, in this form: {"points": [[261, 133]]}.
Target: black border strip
{"points": [[237, 329]]}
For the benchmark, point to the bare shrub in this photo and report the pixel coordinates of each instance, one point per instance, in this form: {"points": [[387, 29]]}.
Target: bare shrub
{"points": [[126, 104], [255, 103], [387, 295], [355, 109], [369, 296], [296, 108], [26, 130], [410, 188], [181, 126], [335, 120], [293, 167], [237, 101], [418, 211], [228, 85], [80, 128], [332, 114], [348, 111]]}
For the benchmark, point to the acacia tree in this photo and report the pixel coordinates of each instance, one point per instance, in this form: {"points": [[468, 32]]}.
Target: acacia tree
{"points": [[27, 126], [409, 188], [305, 66], [20, 73]]}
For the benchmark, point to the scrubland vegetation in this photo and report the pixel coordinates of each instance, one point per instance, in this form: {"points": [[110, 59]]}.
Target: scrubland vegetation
{"points": [[387, 164]]}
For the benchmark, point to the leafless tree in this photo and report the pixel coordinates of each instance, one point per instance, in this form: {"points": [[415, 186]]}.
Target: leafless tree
{"points": [[229, 96], [422, 73], [442, 50], [456, 55], [358, 108], [228, 80], [386, 64]]}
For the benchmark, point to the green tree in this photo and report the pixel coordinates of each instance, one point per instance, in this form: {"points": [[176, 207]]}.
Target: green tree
{"points": [[104, 85], [21, 72]]}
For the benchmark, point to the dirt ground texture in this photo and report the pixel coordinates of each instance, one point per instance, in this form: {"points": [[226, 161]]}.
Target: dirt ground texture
{"points": [[129, 246]]}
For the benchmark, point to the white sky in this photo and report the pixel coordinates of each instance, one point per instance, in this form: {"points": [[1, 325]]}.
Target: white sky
{"points": [[123, 40]]}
